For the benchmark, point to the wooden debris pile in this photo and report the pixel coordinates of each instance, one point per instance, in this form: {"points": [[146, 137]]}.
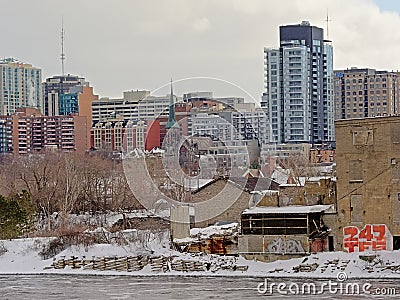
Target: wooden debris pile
{"points": [[334, 264], [158, 264], [105, 263], [189, 266], [305, 267]]}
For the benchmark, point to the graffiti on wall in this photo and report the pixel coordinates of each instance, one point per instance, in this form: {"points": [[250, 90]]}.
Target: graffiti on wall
{"points": [[373, 237], [281, 245]]}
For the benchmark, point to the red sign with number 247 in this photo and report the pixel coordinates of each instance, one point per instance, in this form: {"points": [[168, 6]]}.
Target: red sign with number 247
{"points": [[371, 238]]}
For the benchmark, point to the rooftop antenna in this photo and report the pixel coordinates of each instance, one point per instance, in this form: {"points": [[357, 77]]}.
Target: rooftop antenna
{"points": [[62, 56], [327, 20]]}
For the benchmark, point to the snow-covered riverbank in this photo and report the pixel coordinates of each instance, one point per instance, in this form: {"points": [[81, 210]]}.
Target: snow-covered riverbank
{"points": [[22, 257]]}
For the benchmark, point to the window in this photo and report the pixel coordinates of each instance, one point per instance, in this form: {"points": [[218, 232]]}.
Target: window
{"points": [[266, 224], [363, 137], [356, 208], [395, 133], [355, 171]]}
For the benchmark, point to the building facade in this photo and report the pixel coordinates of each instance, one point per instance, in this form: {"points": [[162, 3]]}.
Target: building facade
{"points": [[135, 105], [139, 106], [231, 124], [20, 86], [135, 135], [270, 233], [366, 92], [368, 183], [54, 88], [5, 134], [298, 86], [322, 154], [28, 131], [212, 125], [109, 135]]}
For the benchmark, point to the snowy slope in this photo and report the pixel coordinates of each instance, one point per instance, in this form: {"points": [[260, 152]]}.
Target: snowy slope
{"points": [[22, 257]]}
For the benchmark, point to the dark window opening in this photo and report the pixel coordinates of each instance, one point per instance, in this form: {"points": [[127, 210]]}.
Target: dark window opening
{"points": [[331, 245], [396, 242]]}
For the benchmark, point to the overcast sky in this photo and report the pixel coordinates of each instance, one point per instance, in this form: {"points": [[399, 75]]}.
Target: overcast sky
{"points": [[119, 45]]}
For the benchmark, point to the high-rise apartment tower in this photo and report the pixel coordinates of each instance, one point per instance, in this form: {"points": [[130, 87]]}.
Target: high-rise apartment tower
{"points": [[298, 86], [20, 86]]}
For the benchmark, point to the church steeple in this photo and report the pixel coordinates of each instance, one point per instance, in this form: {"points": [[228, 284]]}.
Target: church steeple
{"points": [[171, 117]]}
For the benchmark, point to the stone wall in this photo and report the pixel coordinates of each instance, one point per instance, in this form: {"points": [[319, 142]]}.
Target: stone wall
{"points": [[368, 172], [322, 191], [221, 201]]}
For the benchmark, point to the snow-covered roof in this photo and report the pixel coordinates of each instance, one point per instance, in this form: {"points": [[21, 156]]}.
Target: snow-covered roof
{"points": [[319, 178], [282, 176], [326, 168], [156, 150], [207, 232], [295, 209], [196, 183], [213, 230], [137, 152], [253, 173]]}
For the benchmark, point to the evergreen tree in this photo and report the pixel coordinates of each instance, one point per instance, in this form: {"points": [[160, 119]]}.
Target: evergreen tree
{"points": [[16, 215]]}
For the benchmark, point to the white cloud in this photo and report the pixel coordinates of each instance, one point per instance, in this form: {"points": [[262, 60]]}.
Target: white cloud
{"points": [[201, 25]]}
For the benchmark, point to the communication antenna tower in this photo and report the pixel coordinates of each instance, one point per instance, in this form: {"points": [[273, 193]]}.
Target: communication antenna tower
{"points": [[62, 56]]}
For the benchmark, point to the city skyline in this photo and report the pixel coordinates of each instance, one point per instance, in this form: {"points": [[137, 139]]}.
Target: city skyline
{"points": [[147, 43]]}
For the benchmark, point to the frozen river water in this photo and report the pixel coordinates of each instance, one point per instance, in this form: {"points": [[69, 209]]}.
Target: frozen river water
{"points": [[164, 287]]}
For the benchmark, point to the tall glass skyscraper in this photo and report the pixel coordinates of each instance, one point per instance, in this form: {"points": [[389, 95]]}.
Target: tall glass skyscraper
{"points": [[298, 86], [20, 86]]}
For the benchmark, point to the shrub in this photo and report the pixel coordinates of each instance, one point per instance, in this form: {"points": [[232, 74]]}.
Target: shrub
{"points": [[51, 249], [16, 215]]}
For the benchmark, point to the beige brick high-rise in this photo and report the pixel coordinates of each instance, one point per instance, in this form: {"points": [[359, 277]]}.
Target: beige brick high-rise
{"points": [[363, 93]]}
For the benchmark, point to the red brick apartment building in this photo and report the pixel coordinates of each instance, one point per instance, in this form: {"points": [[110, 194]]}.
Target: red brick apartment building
{"points": [[29, 131]]}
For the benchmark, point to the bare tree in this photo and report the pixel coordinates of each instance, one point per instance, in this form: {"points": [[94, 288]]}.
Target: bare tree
{"points": [[298, 166], [67, 183]]}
